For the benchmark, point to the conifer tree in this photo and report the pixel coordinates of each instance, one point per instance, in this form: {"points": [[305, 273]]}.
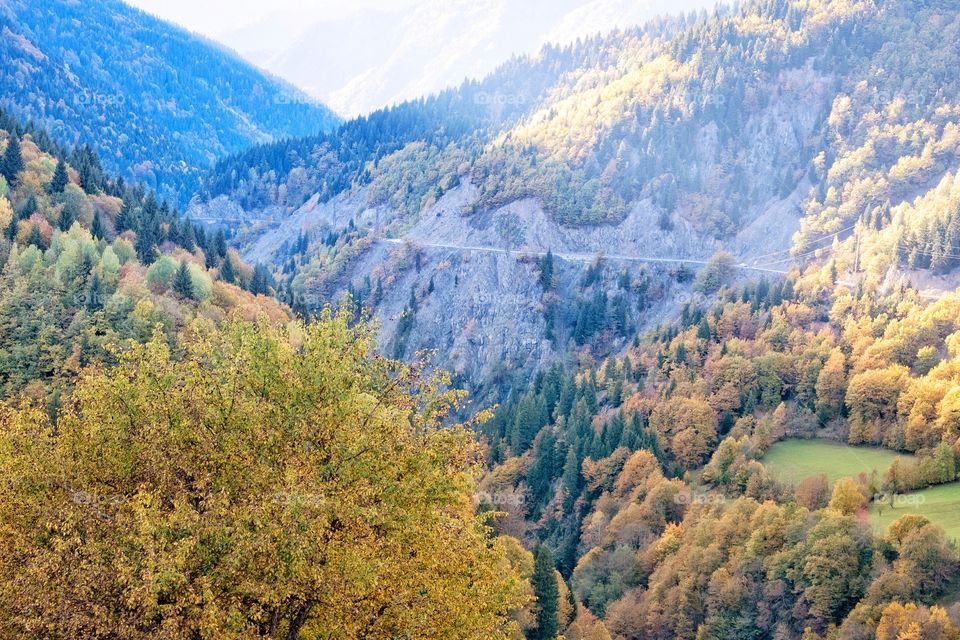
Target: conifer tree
{"points": [[35, 238], [145, 244], [547, 593], [227, 273], [95, 294], [65, 219], [97, 227], [259, 284], [546, 271], [127, 218], [182, 283], [60, 178], [12, 162]]}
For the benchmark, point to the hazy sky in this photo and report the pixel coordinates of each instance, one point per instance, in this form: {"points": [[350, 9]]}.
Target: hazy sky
{"points": [[216, 17], [359, 55]]}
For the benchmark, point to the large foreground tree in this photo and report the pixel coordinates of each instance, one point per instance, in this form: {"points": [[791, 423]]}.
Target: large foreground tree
{"points": [[248, 483]]}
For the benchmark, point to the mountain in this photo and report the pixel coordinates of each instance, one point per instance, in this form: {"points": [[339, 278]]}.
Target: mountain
{"points": [[700, 278], [376, 56], [132, 369], [90, 263], [745, 132], [159, 104]]}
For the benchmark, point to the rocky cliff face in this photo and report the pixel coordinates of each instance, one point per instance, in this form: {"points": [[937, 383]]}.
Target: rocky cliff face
{"points": [[475, 276], [478, 298]]}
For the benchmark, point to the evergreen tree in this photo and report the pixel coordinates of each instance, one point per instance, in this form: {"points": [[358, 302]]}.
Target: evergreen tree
{"points": [[95, 294], [703, 331], [66, 218], [571, 479], [188, 237], [29, 208], [12, 162], [145, 244], [220, 244], [182, 283], [260, 283], [97, 227], [227, 273], [546, 271], [35, 237], [127, 218], [547, 593], [60, 178]]}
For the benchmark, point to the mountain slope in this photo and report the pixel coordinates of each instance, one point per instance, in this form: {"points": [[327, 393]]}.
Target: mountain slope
{"points": [[92, 263], [155, 101], [677, 140]]}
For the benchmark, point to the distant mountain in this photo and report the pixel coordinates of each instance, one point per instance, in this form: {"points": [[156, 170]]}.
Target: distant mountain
{"points": [[157, 102], [375, 57], [826, 128]]}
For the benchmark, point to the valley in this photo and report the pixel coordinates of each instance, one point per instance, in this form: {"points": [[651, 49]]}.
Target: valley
{"points": [[651, 335]]}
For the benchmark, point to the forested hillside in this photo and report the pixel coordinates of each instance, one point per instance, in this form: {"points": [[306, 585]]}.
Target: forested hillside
{"points": [[749, 131], [180, 458], [707, 116], [159, 104], [636, 453], [91, 262], [645, 471], [655, 258]]}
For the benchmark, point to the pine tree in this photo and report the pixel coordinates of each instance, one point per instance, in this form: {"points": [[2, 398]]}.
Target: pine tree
{"points": [[546, 271], [35, 238], [60, 178], [227, 273], [220, 244], [571, 479], [188, 237], [95, 294], [29, 208], [260, 283], [97, 227], [127, 218], [12, 162], [703, 331], [66, 218], [547, 593], [145, 244], [182, 283]]}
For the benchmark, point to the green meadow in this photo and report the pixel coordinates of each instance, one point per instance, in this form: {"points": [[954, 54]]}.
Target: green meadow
{"points": [[793, 460], [940, 504]]}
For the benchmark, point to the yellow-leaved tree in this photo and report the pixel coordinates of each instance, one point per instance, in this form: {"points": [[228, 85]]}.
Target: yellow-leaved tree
{"points": [[249, 482]]}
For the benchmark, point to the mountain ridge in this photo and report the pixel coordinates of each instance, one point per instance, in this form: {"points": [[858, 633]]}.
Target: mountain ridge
{"points": [[159, 103]]}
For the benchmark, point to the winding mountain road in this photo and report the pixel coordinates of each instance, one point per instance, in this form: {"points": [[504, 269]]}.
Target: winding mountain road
{"points": [[570, 257]]}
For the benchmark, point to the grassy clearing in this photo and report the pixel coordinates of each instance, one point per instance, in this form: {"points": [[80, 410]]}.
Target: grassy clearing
{"points": [[793, 460], [940, 504]]}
